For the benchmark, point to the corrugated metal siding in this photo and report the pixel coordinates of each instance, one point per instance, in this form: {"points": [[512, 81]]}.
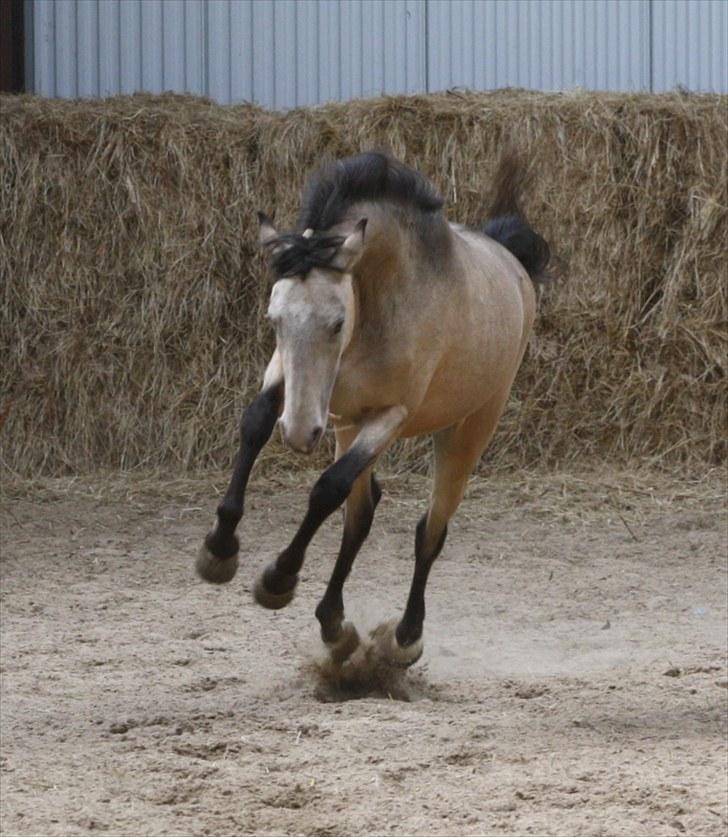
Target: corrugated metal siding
{"points": [[542, 45], [690, 45], [279, 53], [285, 53]]}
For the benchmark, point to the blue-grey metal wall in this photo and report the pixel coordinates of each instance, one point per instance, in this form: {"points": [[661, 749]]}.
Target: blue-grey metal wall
{"points": [[690, 45], [284, 53], [549, 46]]}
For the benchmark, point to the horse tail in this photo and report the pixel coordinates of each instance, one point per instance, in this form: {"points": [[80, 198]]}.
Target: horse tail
{"points": [[507, 222]]}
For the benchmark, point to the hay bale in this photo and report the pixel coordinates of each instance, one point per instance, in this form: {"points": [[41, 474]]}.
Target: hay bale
{"points": [[133, 290]]}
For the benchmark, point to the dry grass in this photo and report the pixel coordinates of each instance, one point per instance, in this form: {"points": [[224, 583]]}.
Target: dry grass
{"points": [[132, 289]]}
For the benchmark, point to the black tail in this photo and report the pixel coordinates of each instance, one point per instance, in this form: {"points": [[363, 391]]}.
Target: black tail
{"points": [[508, 224]]}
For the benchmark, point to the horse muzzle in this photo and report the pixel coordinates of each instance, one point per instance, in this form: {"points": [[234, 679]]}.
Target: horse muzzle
{"points": [[303, 440]]}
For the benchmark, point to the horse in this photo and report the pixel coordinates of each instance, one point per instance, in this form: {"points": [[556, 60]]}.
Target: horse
{"points": [[391, 322]]}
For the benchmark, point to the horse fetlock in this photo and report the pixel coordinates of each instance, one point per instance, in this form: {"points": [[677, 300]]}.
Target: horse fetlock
{"points": [[210, 567], [229, 515], [274, 589], [345, 643], [222, 543], [330, 618]]}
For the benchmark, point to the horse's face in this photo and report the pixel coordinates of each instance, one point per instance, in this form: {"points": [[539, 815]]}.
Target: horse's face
{"points": [[313, 315], [313, 319]]}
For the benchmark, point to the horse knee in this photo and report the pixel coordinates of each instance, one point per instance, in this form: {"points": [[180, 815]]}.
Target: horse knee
{"points": [[329, 492], [337, 481], [259, 419]]}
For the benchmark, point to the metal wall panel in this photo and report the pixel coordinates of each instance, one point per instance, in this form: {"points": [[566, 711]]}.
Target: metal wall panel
{"points": [[65, 47], [279, 53], [151, 46], [194, 59], [541, 44], [690, 45], [130, 46], [286, 53], [109, 49]]}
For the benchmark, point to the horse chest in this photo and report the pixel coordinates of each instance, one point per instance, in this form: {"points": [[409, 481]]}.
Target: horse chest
{"points": [[366, 383]]}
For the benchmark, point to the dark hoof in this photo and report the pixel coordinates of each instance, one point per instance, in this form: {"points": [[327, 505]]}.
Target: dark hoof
{"points": [[213, 569], [268, 598], [408, 655], [402, 656], [345, 643]]}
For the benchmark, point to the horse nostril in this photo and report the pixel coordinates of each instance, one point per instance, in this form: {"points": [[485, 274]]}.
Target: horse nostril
{"points": [[316, 435]]}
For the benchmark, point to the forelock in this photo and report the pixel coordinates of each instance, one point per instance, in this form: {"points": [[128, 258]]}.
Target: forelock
{"points": [[296, 254]]}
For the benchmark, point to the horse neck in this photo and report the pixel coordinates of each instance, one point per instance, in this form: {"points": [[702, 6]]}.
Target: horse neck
{"points": [[385, 272], [377, 285]]}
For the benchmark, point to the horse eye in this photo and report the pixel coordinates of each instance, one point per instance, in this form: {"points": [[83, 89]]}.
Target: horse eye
{"points": [[337, 327]]}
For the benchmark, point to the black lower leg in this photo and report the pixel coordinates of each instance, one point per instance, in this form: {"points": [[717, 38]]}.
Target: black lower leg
{"points": [[256, 426], [409, 629], [330, 611], [329, 492]]}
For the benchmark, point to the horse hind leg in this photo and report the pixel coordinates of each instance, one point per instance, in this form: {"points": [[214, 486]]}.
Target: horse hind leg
{"points": [[457, 450]]}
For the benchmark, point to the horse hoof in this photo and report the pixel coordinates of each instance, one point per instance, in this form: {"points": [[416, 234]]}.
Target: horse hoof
{"points": [[345, 644], [406, 655], [213, 569], [269, 600], [402, 656]]}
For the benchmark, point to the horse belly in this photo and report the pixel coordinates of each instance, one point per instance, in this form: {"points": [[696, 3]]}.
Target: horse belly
{"points": [[467, 380]]}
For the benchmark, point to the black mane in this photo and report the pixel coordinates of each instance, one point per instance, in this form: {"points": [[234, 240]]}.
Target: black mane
{"points": [[372, 176], [299, 254], [332, 190]]}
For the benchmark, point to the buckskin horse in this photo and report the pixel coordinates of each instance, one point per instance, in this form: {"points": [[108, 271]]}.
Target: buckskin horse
{"points": [[392, 323]]}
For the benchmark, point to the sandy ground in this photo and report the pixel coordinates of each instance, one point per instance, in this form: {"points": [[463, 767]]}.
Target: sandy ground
{"points": [[573, 682]]}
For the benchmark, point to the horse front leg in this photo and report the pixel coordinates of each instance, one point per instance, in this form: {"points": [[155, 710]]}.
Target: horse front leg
{"points": [[277, 584], [217, 561], [341, 637]]}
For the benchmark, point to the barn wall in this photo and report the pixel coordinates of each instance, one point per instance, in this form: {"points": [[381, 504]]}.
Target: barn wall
{"points": [[279, 53], [690, 45], [288, 53], [547, 46]]}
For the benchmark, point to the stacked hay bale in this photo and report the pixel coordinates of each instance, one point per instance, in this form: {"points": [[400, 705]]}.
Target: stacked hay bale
{"points": [[133, 290]]}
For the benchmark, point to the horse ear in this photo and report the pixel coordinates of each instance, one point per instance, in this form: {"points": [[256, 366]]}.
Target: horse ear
{"points": [[353, 243], [267, 232]]}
